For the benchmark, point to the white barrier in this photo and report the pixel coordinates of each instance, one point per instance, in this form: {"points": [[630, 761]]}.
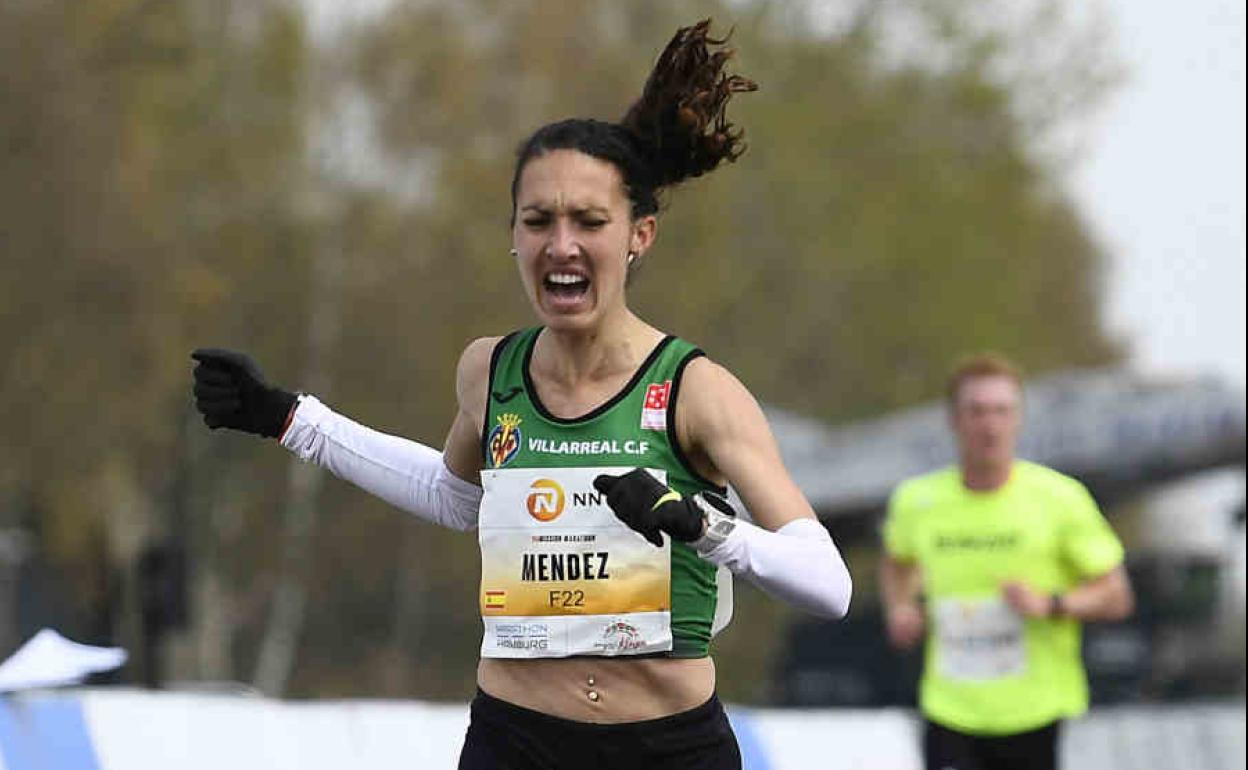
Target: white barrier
{"points": [[115, 729]]}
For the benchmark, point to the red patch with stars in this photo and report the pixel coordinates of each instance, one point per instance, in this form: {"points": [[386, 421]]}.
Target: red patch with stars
{"points": [[654, 409]]}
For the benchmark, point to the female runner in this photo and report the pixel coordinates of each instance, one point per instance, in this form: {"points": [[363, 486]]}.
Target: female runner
{"points": [[590, 453]]}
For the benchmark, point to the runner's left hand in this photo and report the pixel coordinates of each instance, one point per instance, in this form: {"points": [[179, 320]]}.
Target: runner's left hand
{"points": [[1026, 601], [647, 506]]}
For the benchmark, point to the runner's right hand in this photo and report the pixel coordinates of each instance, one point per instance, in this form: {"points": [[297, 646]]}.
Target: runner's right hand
{"points": [[905, 625], [230, 392]]}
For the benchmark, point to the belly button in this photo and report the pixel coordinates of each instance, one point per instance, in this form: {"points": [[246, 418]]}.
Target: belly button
{"points": [[592, 695]]}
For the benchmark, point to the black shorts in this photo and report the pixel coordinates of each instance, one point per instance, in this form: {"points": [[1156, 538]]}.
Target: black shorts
{"points": [[503, 736], [945, 749]]}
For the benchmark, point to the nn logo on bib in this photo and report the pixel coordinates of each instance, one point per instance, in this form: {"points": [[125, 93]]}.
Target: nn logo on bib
{"points": [[545, 500]]}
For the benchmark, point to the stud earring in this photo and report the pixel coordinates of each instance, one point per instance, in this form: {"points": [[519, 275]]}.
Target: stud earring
{"points": [[632, 257], [514, 253]]}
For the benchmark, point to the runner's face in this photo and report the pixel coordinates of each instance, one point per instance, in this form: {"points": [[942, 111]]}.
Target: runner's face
{"points": [[573, 232], [986, 418]]}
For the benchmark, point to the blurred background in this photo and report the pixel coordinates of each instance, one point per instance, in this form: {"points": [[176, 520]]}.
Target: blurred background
{"points": [[328, 189]]}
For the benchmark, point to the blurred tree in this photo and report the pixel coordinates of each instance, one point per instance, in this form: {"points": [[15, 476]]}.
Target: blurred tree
{"points": [[151, 152]]}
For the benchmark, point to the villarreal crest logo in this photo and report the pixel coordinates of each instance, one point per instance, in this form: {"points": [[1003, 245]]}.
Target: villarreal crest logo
{"points": [[504, 441]]}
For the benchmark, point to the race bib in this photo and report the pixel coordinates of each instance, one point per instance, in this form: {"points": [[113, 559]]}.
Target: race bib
{"points": [[978, 639], [561, 575]]}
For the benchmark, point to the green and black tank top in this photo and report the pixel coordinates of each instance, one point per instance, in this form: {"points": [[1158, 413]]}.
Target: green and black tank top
{"points": [[561, 575]]}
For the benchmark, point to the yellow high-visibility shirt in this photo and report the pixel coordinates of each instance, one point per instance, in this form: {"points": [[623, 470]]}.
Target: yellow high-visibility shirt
{"points": [[987, 670]]}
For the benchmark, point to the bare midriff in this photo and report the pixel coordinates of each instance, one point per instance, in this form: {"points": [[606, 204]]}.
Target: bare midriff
{"points": [[600, 690]]}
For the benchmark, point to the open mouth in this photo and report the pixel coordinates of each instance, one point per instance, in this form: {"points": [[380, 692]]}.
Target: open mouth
{"points": [[566, 286]]}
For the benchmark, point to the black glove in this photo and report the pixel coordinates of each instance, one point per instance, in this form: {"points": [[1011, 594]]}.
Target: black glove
{"points": [[635, 499], [230, 392]]}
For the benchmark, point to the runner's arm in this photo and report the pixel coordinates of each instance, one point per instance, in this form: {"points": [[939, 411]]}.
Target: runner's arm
{"points": [[1106, 598], [789, 553], [433, 485], [472, 379], [901, 583]]}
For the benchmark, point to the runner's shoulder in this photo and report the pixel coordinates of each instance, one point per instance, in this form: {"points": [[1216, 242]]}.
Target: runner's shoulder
{"points": [[712, 383], [1048, 482], [472, 374], [1047, 479], [930, 487]]}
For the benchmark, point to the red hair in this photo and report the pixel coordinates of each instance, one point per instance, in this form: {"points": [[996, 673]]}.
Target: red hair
{"points": [[980, 365]]}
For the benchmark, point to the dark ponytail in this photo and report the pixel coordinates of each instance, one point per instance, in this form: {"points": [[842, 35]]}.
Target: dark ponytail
{"points": [[677, 130], [680, 118]]}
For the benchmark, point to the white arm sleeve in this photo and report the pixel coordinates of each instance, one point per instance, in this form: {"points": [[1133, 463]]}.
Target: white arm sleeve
{"points": [[403, 473], [797, 563]]}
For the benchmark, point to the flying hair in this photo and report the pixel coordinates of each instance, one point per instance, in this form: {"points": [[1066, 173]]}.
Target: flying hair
{"points": [[680, 119], [677, 130]]}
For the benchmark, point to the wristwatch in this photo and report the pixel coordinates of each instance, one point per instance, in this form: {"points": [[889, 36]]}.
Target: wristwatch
{"points": [[1057, 606], [720, 519]]}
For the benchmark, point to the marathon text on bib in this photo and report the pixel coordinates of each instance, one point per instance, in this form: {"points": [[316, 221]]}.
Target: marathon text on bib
{"points": [[978, 639], [561, 575]]}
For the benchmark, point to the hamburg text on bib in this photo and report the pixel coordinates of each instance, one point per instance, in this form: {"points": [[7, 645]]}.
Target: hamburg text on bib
{"points": [[978, 639], [561, 575]]}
